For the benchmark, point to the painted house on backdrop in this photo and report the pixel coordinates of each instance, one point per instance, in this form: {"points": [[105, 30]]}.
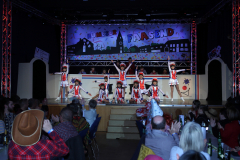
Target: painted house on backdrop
{"points": [[84, 46]]}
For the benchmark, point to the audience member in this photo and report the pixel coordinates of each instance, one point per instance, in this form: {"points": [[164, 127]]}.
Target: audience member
{"points": [[15, 99], [104, 71], [165, 71], [90, 114], [45, 110], [26, 133], [2, 125], [153, 157], [23, 106], [142, 70], [184, 72], [231, 130], [80, 122], [193, 112], [82, 71], [154, 71], [65, 128], [131, 70], [33, 104], [223, 120], [191, 139], [201, 116], [118, 65], [93, 71], [159, 141], [191, 154], [8, 115]]}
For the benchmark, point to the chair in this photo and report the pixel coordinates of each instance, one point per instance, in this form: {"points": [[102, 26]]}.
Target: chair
{"points": [[83, 133], [140, 127], [76, 151], [92, 134]]}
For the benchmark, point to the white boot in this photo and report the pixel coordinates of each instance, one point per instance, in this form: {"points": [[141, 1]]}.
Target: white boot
{"points": [[182, 99], [172, 99], [58, 98]]}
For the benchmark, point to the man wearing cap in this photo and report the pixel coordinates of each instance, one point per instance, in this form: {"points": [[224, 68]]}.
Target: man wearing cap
{"points": [[132, 67], [26, 133]]}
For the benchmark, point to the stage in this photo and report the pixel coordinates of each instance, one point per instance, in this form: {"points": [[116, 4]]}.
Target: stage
{"points": [[121, 117]]}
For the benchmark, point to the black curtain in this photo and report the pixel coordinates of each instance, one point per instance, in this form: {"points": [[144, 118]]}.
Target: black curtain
{"points": [[214, 81], [39, 80]]}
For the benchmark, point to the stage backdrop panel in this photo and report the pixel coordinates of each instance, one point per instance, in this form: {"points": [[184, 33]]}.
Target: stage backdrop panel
{"points": [[141, 42], [186, 84]]}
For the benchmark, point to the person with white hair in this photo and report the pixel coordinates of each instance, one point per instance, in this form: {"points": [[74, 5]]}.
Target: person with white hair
{"points": [[191, 139]]}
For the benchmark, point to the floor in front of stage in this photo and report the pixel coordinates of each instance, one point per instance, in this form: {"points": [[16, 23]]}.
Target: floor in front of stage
{"points": [[164, 103]]}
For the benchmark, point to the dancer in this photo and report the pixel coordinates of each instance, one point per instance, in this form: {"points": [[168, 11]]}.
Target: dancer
{"points": [[154, 89], [122, 73], [173, 78], [102, 94], [64, 81], [77, 89], [119, 92], [140, 78], [106, 84], [136, 96]]}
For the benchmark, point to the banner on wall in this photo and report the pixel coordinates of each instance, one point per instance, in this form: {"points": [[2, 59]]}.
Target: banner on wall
{"points": [[141, 42]]}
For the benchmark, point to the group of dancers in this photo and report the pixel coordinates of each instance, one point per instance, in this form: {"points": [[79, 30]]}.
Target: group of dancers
{"points": [[138, 89]]}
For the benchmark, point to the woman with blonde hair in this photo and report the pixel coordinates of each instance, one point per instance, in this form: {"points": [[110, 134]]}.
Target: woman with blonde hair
{"points": [[191, 139]]}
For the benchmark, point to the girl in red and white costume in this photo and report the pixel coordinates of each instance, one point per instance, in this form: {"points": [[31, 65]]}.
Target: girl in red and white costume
{"points": [[154, 89], [64, 81], [122, 73], [119, 92], [77, 89], [173, 78], [136, 95], [102, 94], [142, 81], [106, 84]]}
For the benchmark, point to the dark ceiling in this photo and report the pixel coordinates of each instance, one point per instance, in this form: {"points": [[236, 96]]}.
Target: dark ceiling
{"points": [[124, 9]]}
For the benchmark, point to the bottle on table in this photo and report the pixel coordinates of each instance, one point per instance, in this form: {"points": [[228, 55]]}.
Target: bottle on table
{"points": [[210, 147], [5, 138], [222, 155]]}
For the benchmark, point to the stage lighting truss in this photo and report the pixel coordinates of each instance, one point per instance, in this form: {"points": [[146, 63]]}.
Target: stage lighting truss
{"points": [[63, 45], [184, 64], [236, 47], [194, 48], [6, 48]]}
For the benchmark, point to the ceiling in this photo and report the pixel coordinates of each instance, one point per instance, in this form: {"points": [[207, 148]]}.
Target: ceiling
{"points": [[124, 9]]}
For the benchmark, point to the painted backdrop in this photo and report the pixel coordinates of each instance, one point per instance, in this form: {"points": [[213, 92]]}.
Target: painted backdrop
{"points": [[141, 42]]}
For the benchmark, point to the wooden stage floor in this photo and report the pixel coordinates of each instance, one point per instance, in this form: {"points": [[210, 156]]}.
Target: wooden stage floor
{"points": [[164, 103]]}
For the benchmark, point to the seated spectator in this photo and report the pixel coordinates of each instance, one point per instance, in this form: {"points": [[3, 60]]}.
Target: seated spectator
{"points": [[131, 70], [193, 112], [90, 114], [114, 71], [184, 72], [82, 71], [231, 130], [45, 110], [80, 122], [223, 120], [154, 71], [65, 128], [8, 115], [142, 70], [201, 116], [191, 139], [104, 71], [23, 106], [159, 141], [93, 71], [165, 71], [2, 125], [191, 154], [25, 142], [33, 104]]}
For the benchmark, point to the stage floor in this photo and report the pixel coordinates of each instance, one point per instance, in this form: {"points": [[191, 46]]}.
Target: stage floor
{"points": [[164, 103]]}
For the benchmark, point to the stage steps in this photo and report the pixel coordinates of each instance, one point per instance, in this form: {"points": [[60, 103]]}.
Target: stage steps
{"points": [[122, 123]]}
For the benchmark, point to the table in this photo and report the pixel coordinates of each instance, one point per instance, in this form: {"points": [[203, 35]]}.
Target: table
{"points": [[3, 152], [214, 141]]}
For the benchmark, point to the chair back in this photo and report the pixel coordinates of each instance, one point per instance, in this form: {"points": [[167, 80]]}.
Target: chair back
{"points": [[83, 133], [76, 151], [94, 127], [140, 127]]}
